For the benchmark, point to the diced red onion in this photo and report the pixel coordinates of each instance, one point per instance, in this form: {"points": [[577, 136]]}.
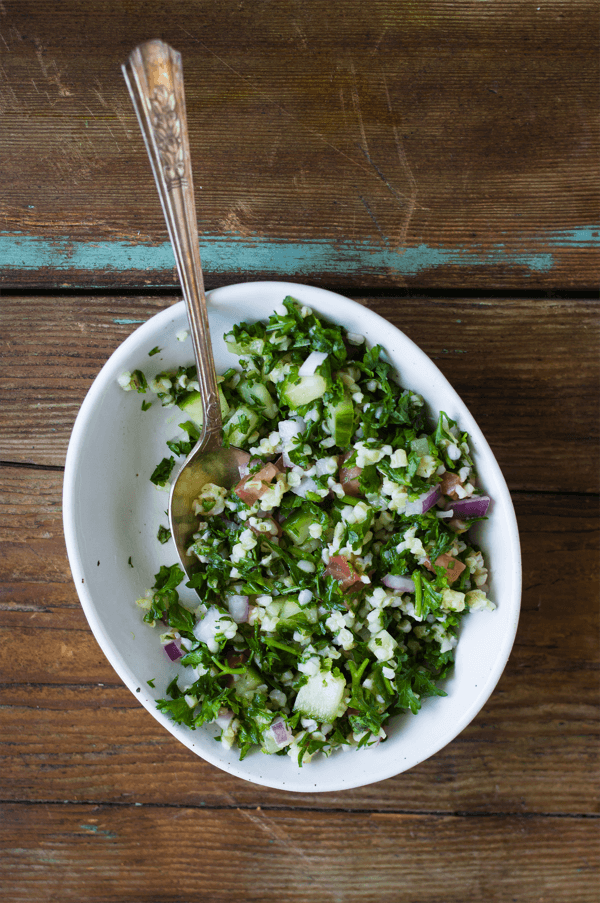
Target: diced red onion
{"points": [[476, 506], [282, 735], [244, 469], [238, 608], [173, 651], [425, 501], [186, 677], [204, 630], [223, 719], [314, 360], [322, 467], [307, 484], [396, 582]]}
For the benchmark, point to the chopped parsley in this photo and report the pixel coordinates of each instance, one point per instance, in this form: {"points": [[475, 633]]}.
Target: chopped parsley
{"points": [[138, 381], [161, 473], [163, 535]]}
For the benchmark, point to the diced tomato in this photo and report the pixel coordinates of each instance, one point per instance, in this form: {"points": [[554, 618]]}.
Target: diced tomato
{"points": [[349, 477], [254, 486], [342, 570], [443, 561], [449, 483]]}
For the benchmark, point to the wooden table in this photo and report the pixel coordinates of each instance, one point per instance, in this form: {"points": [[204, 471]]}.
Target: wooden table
{"points": [[435, 160]]}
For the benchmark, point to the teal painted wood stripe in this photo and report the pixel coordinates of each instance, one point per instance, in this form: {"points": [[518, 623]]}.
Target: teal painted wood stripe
{"points": [[226, 254]]}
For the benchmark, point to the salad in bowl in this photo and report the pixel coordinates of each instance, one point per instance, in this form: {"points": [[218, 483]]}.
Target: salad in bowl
{"points": [[338, 589]]}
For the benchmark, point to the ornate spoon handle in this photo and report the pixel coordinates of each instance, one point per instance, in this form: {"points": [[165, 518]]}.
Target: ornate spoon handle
{"points": [[154, 77]]}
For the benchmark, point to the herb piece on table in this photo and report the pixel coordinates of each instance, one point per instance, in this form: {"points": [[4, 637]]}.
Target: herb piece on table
{"points": [[162, 472], [163, 535]]}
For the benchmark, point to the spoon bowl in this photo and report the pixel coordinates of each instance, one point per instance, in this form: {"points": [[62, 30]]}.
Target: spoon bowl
{"points": [[221, 466], [154, 77]]}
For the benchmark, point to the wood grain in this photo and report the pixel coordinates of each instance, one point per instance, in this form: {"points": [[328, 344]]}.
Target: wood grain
{"points": [[462, 132], [70, 731], [102, 854], [512, 361]]}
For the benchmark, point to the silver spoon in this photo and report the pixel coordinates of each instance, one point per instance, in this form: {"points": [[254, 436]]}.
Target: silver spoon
{"points": [[154, 77]]}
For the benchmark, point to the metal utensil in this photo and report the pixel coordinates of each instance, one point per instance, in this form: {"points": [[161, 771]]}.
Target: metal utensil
{"points": [[154, 77]]}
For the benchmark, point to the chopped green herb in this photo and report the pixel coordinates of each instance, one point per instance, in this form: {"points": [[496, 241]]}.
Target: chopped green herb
{"points": [[155, 350], [163, 535], [146, 405], [162, 472], [138, 381]]}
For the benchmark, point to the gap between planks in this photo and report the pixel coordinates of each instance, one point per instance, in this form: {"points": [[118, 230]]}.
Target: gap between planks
{"points": [[350, 810]]}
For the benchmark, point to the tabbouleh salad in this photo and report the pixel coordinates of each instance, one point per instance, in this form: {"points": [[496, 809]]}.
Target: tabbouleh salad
{"points": [[334, 576]]}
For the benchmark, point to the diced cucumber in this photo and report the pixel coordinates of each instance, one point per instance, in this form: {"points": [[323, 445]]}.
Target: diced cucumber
{"points": [[240, 425], [420, 446], [245, 684], [321, 696], [289, 608], [311, 613], [297, 524], [340, 420], [283, 609], [302, 391], [274, 608], [255, 391], [192, 405], [254, 346]]}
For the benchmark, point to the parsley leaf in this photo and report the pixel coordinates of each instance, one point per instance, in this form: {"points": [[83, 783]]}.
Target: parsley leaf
{"points": [[163, 535], [162, 472]]}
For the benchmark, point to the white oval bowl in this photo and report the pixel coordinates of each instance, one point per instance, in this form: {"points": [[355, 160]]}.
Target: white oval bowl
{"points": [[112, 513]]}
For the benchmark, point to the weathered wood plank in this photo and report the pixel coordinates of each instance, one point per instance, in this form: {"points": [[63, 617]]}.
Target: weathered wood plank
{"points": [[450, 144], [528, 752], [71, 731], [527, 368], [161, 854]]}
